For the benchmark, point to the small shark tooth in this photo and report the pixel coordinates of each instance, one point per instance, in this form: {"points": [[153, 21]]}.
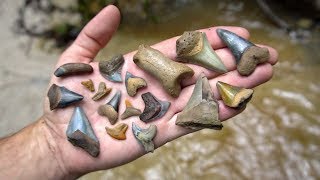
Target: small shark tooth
{"points": [[81, 134], [154, 108], [60, 97], [130, 111], [165, 70], [133, 83], [201, 111], [193, 47], [73, 69], [110, 110], [247, 55], [111, 69], [102, 91], [145, 136], [118, 132], [89, 85], [234, 96]]}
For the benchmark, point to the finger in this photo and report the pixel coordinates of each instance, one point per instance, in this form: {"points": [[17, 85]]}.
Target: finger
{"points": [[93, 37]]}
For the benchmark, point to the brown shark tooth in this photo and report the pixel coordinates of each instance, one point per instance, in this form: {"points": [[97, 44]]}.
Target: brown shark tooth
{"points": [[145, 136], [81, 134], [73, 69], [133, 83], [193, 47], [110, 110], [89, 85], [118, 132], [234, 96], [60, 97], [154, 108], [111, 69], [130, 111], [201, 111], [167, 71], [247, 55], [102, 92]]}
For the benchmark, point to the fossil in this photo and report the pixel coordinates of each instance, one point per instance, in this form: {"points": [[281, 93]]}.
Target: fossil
{"points": [[193, 47], [201, 111], [73, 69], [60, 97], [130, 111], [133, 83], [167, 71], [89, 85], [81, 134], [145, 136], [247, 55], [102, 92], [154, 108], [111, 69], [110, 110], [118, 132]]}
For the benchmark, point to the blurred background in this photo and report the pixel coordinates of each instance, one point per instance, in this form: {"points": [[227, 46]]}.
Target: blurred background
{"points": [[276, 137]]}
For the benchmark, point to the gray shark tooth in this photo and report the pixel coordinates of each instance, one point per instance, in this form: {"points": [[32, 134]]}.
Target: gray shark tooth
{"points": [[111, 69], [81, 134], [133, 83], [247, 55], [154, 108], [130, 111], [193, 47], [60, 97], [110, 110], [73, 69], [201, 111], [145, 136]]}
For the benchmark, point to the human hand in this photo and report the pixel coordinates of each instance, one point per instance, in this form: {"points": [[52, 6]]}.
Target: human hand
{"points": [[75, 161]]}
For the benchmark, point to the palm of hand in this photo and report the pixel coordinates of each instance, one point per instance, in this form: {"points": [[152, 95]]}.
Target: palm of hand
{"points": [[114, 152]]}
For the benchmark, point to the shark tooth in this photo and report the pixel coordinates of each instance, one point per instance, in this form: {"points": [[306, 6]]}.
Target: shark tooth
{"points": [[111, 69], [60, 97], [165, 70], [201, 111], [81, 134], [89, 85], [154, 108], [73, 69], [118, 132], [133, 83], [193, 47], [130, 111], [110, 110], [102, 92], [247, 55], [234, 96], [145, 136]]}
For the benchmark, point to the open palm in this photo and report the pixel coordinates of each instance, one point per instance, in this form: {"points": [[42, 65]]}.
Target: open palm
{"points": [[114, 152]]}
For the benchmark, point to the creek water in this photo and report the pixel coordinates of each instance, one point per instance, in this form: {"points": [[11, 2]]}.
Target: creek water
{"points": [[276, 137]]}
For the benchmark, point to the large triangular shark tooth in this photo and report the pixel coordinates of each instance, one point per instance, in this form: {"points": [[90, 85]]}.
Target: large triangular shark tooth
{"points": [[154, 108], [60, 97], [110, 110], [201, 111], [145, 136], [111, 69], [81, 134]]}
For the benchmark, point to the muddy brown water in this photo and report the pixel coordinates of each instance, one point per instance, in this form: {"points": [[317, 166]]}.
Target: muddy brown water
{"points": [[276, 137]]}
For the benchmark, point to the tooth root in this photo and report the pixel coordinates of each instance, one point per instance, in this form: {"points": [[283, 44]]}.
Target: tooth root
{"points": [[145, 136], [133, 83], [110, 110], [130, 111], [154, 108], [73, 69], [118, 132], [247, 55], [234, 96], [81, 134], [89, 85], [201, 111], [193, 47], [111, 69], [60, 97], [165, 70], [102, 91]]}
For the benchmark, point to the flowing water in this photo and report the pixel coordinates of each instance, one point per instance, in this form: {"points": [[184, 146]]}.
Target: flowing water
{"points": [[276, 137]]}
